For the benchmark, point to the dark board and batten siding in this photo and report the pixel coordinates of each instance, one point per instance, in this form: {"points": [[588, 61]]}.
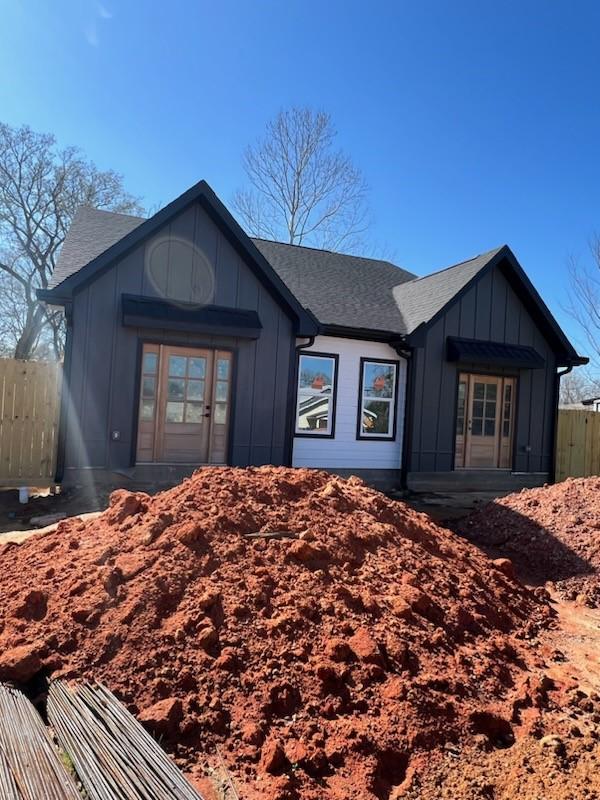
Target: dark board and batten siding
{"points": [[490, 310], [105, 357]]}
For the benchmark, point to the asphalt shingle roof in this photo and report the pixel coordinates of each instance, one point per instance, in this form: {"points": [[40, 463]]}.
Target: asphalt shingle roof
{"points": [[338, 289], [92, 232], [419, 300]]}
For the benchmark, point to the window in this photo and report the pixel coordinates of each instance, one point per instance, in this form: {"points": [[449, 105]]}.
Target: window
{"points": [[507, 413], [483, 421], [148, 393], [186, 384], [461, 408], [377, 409], [317, 383]]}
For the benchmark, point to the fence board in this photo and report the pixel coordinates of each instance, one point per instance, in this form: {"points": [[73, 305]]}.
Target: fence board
{"points": [[29, 410], [577, 444]]}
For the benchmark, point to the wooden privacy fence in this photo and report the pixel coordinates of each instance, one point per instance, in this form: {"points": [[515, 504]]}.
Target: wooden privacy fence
{"points": [[577, 444], [29, 410]]}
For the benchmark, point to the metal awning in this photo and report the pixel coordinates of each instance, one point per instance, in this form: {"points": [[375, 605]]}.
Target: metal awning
{"points": [[476, 351], [149, 312]]}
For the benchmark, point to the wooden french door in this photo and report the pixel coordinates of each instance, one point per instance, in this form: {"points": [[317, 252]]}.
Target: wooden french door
{"points": [[484, 421], [184, 405]]}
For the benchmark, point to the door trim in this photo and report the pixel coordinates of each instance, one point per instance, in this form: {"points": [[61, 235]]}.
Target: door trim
{"points": [[199, 345]]}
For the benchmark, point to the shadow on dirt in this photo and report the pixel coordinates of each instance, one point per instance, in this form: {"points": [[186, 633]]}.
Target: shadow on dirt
{"points": [[537, 555]]}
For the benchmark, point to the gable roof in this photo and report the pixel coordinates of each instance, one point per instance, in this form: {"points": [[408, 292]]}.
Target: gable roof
{"points": [[201, 192], [336, 290]]}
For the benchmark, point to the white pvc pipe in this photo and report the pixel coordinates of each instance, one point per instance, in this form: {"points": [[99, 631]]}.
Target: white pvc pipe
{"points": [[24, 494]]}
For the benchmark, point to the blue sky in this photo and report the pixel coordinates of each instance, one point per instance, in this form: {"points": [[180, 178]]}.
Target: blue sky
{"points": [[475, 123]]}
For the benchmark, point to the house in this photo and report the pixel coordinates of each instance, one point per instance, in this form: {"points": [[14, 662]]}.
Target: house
{"points": [[189, 343]]}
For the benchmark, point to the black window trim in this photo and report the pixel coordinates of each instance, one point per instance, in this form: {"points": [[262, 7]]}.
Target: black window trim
{"points": [[393, 404], [336, 359]]}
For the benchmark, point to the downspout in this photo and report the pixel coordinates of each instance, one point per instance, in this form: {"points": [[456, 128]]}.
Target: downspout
{"points": [[404, 351], [291, 412], [64, 396], [557, 401]]}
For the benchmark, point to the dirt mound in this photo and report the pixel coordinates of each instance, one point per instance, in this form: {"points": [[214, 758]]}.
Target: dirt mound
{"points": [[319, 662], [550, 534]]}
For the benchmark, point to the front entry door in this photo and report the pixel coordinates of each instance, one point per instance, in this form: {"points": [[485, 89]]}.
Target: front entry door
{"points": [[184, 405], [484, 422]]}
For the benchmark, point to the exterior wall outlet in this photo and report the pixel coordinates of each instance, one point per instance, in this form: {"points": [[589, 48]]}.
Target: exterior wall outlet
{"points": [[115, 436]]}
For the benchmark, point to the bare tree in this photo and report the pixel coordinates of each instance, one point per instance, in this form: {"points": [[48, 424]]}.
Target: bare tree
{"points": [[302, 189], [583, 304], [577, 386], [41, 188]]}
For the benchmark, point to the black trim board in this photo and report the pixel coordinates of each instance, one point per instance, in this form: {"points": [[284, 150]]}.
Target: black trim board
{"points": [[336, 359], [360, 436], [305, 323]]}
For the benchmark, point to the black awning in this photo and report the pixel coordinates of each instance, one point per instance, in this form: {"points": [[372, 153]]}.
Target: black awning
{"points": [[148, 312], [475, 351]]}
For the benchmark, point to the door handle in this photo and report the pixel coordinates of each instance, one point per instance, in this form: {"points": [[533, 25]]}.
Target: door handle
{"points": [[207, 414]]}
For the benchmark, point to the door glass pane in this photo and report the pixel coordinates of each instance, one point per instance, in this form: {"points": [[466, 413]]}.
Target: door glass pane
{"points": [[195, 390], [491, 391], [150, 363], [221, 390], [460, 409], [476, 427], [220, 413], [478, 408], [176, 388], [490, 427], [177, 366], [507, 392], [506, 428], [147, 410], [197, 368], [148, 387], [479, 391], [490, 410], [223, 369], [174, 412], [193, 412]]}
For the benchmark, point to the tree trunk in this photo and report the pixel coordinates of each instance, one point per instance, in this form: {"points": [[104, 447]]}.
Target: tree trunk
{"points": [[31, 333]]}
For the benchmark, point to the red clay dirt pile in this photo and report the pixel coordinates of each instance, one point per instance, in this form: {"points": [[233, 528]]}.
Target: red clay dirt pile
{"points": [[551, 534], [322, 664]]}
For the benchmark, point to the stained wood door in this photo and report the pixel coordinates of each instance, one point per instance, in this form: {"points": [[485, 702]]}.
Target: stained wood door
{"points": [[185, 397], [484, 424]]}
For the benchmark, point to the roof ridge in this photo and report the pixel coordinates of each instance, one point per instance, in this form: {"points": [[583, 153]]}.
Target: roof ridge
{"points": [[110, 211], [323, 250]]}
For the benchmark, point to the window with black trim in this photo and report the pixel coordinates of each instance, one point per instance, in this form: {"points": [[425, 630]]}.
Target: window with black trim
{"points": [[317, 384], [377, 400]]}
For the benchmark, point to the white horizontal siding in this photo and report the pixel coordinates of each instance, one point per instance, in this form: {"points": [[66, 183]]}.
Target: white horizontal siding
{"points": [[345, 450]]}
